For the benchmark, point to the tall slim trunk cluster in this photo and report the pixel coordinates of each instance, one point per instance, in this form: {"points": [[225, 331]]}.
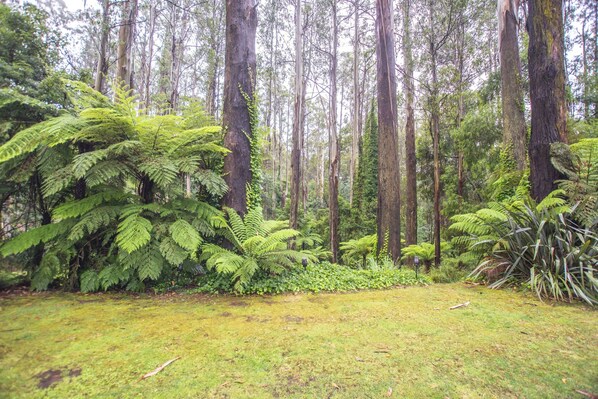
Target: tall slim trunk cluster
{"points": [[334, 149], [125, 43], [513, 117], [239, 79], [296, 158], [410, 161], [547, 91], [102, 69], [389, 200], [356, 105]]}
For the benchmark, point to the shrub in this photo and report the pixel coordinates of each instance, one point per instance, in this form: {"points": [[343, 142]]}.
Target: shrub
{"points": [[257, 245], [538, 245], [119, 215], [324, 277]]}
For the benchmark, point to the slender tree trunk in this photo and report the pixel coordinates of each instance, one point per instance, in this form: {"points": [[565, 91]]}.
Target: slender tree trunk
{"points": [[150, 56], [334, 150], [356, 104], [389, 199], [240, 64], [102, 70], [513, 117], [296, 156], [411, 162], [123, 61], [547, 91]]}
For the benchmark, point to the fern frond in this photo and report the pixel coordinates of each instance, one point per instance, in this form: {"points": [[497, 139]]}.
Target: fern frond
{"points": [[133, 233], [185, 235]]}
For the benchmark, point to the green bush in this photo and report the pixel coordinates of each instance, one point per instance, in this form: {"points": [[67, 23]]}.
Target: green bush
{"points": [[536, 245], [257, 245], [448, 272], [323, 277]]}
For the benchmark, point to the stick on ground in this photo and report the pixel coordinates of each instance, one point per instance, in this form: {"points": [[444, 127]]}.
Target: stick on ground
{"points": [[461, 305], [162, 367]]}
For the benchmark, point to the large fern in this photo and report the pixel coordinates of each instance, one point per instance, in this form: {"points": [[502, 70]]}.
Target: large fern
{"points": [[257, 245], [134, 220]]}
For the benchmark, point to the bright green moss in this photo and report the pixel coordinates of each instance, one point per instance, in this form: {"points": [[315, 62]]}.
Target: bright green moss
{"points": [[346, 345]]}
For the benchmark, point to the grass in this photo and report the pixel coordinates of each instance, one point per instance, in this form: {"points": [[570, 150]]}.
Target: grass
{"points": [[358, 345]]}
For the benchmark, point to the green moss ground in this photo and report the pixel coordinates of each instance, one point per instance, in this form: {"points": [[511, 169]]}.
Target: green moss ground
{"points": [[359, 345]]}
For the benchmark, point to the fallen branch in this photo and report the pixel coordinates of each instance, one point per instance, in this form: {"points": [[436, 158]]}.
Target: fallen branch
{"points": [[587, 394], [162, 367], [461, 305]]}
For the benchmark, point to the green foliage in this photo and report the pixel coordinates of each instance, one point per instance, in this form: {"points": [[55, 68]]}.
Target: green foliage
{"points": [[424, 251], [356, 251], [579, 162], [257, 245], [254, 190], [448, 272], [134, 221], [534, 244], [315, 278], [365, 187]]}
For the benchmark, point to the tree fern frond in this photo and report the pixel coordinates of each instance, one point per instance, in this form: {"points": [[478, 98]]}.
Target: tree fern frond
{"points": [[133, 233], [185, 235]]}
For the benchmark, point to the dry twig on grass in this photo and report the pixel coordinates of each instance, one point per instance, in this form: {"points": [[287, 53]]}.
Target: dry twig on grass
{"points": [[461, 305], [162, 367]]}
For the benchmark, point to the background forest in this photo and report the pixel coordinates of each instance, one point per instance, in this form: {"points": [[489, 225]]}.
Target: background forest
{"points": [[116, 172]]}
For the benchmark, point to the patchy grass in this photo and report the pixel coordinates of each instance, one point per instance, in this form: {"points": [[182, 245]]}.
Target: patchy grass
{"points": [[358, 345]]}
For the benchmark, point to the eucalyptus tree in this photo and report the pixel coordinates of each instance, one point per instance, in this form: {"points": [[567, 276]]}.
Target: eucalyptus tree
{"points": [[239, 85], [547, 91], [513, 108], [389, 178]]}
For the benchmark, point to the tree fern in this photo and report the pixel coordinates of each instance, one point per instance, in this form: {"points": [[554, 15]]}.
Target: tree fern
{"points": [[256, 247]]}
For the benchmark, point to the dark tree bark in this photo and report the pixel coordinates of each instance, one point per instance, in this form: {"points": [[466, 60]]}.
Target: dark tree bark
{"points": [[102, 70], [513, 117], [547, 91], [389, 200], [334, 149], [411, 162], [239, 78], [296, 158]]}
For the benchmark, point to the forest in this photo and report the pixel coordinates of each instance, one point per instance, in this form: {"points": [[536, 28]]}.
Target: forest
{"points": [[229, 151]]}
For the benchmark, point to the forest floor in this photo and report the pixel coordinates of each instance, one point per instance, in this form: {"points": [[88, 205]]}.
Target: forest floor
{"points": [[402, 343]]}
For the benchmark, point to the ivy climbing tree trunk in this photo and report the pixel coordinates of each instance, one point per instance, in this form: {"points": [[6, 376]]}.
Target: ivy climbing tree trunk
{"points": [[389, 200], [239, 81], [547, 91], [334, 149], [410, 162], [513, 117]]}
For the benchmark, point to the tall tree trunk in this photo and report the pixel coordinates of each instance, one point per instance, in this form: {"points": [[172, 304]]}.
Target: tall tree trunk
{"points": [[435, 130], [411, 162], [334, 149], [356, 104], [513, 117], [547, 91], [102, 70], [389, 199], [296, 157], [125, 43], [150, 55], [239, 76]]}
